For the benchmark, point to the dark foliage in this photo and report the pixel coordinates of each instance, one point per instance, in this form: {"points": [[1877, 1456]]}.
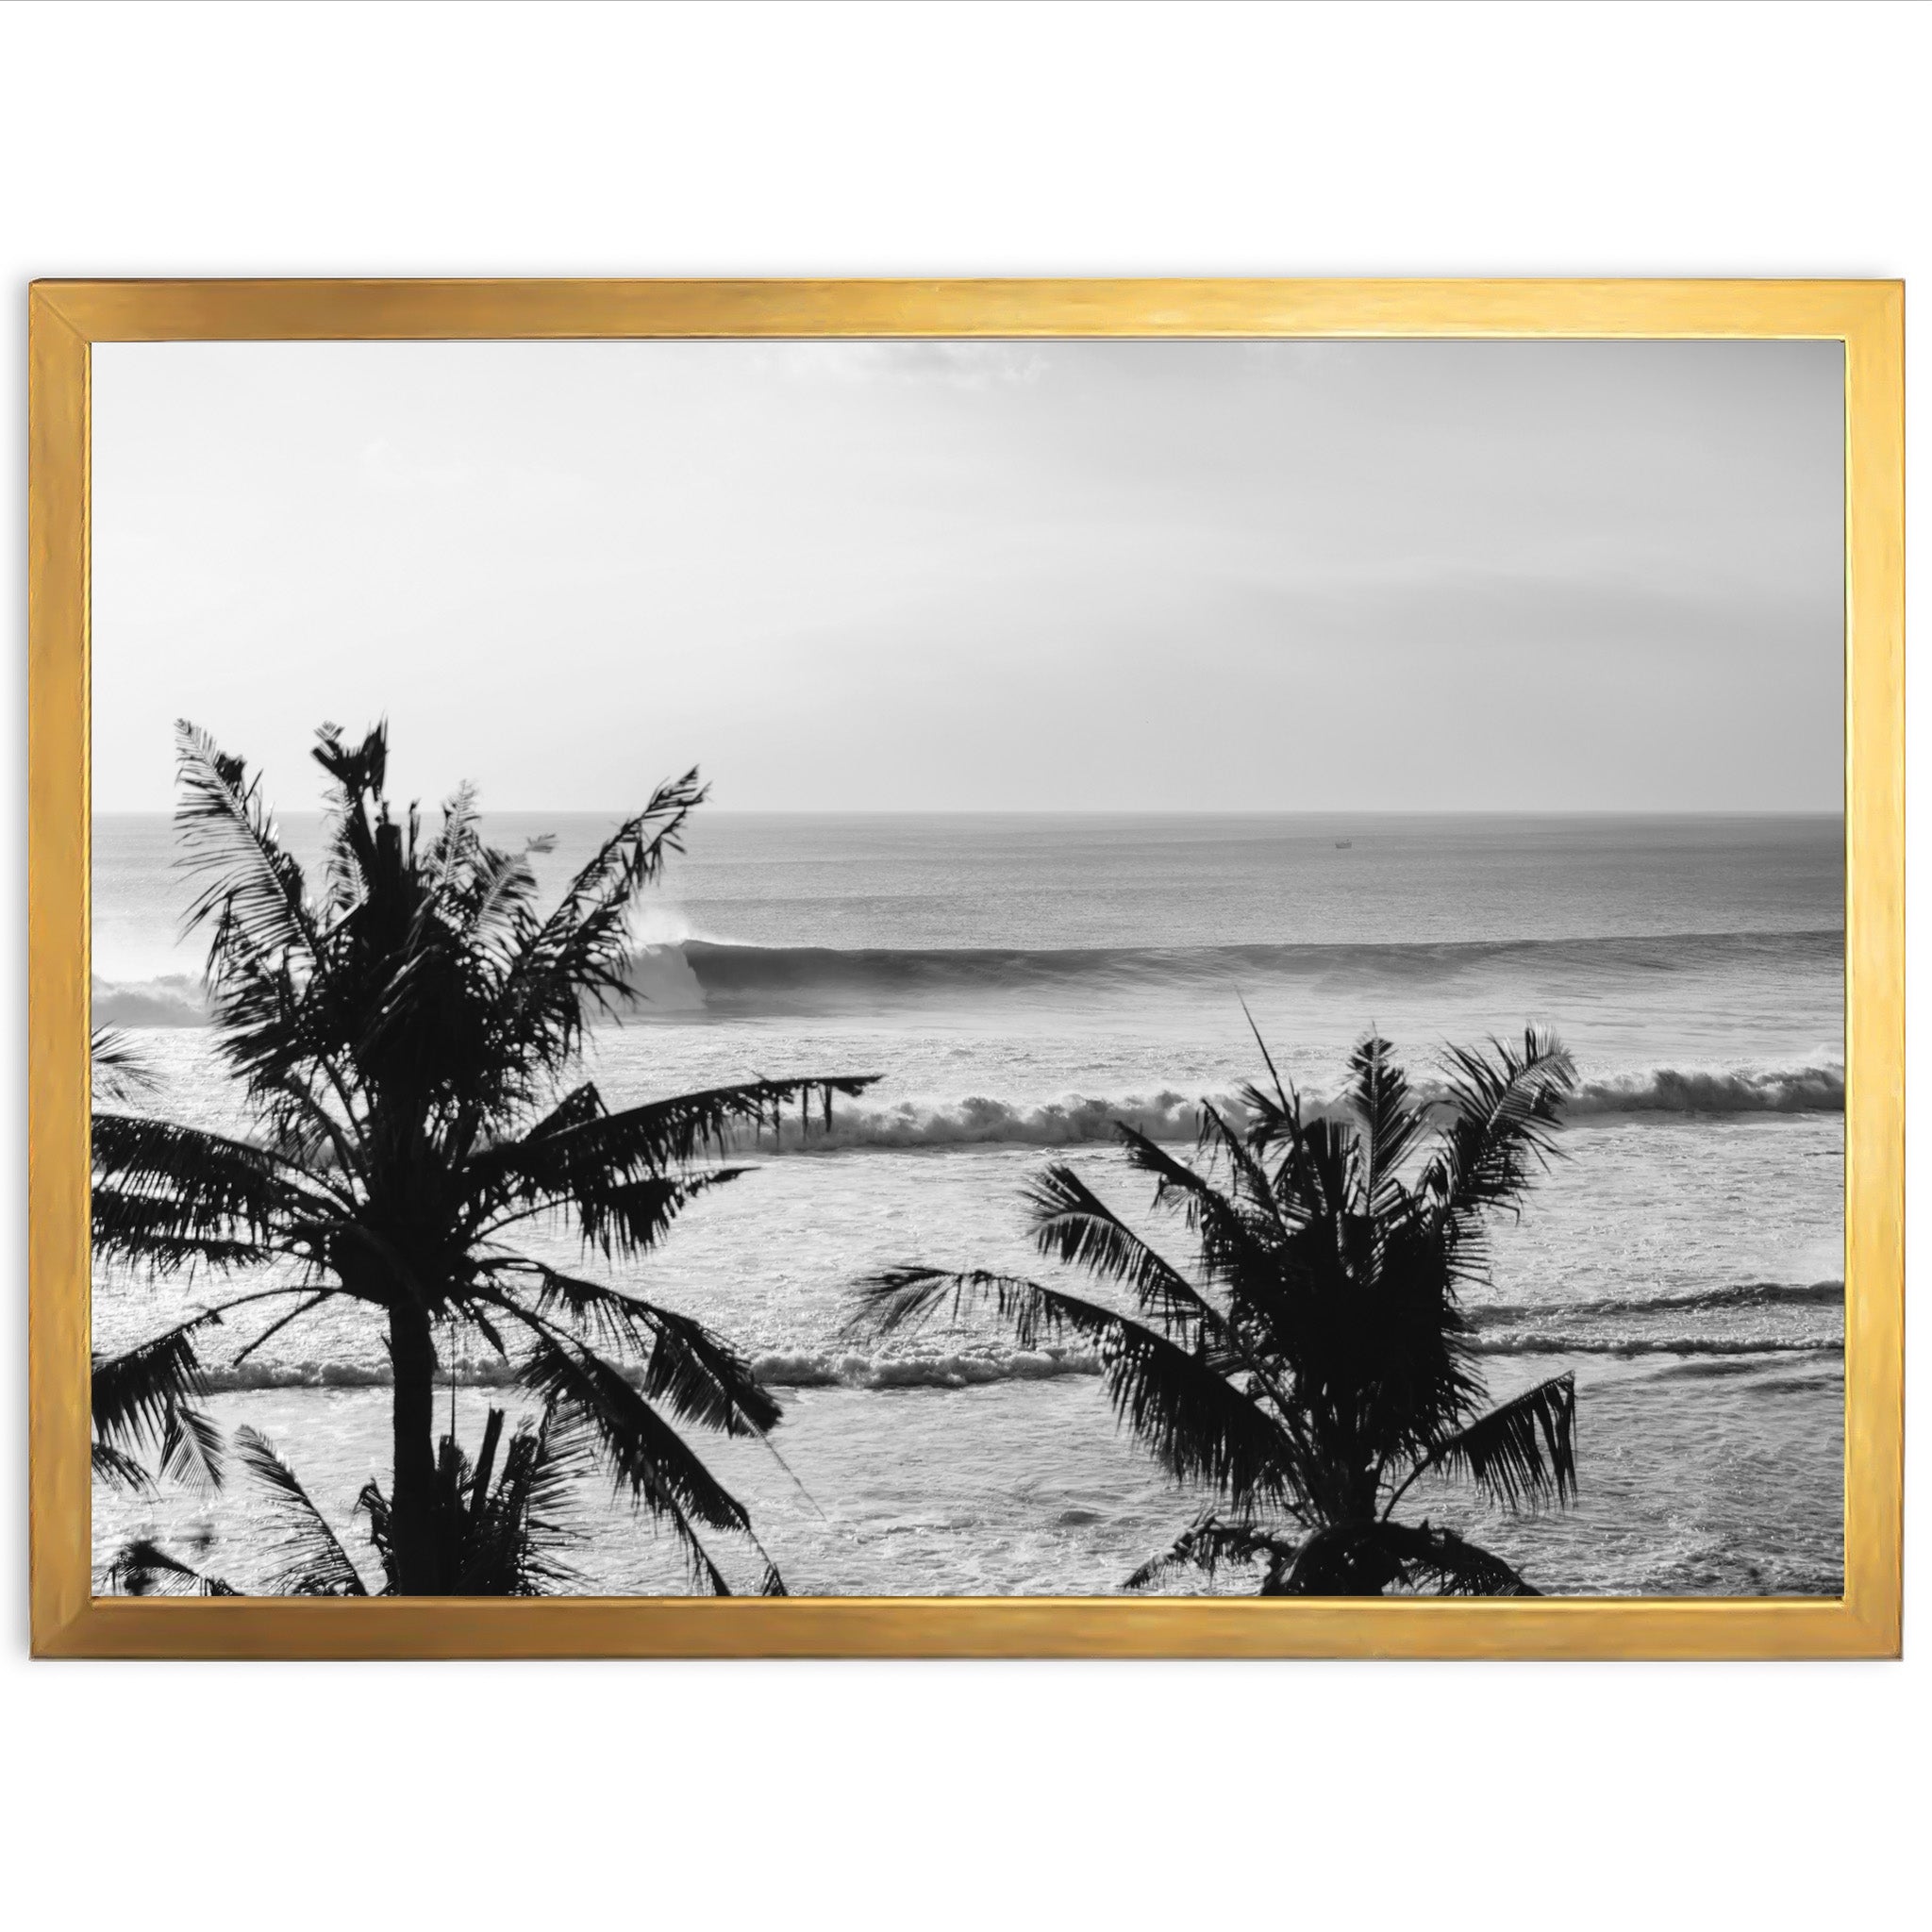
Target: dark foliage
{"points": [[503, 1531], [1313, 1364], [405, 1035]]}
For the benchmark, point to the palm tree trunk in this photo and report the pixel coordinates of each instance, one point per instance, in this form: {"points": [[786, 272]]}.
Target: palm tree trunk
{"points": [[414, 1545]]}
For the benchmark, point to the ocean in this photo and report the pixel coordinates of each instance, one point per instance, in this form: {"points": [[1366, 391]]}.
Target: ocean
{"points": [[1018, 983]]}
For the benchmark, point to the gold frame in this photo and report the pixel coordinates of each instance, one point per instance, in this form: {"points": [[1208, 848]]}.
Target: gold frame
{"points": [[67, 317]]}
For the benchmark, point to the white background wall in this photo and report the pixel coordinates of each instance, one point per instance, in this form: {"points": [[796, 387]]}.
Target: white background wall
{"points": [[459, 140]]}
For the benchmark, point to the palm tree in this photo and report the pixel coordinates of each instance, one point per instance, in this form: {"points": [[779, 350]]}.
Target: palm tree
{"points": [[117, 1067], [1316, 1363], [408, 1042], [504, 1531]]}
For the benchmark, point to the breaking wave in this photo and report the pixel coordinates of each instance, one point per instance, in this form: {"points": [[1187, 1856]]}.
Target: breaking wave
{"points": [[939, 1368], [689, 978], [1743, 1294], [975, 1368], [804, 1368], [1076, 1120], [714, 977], [1536, 1341], [1580, 1328], [1671, 1090]]}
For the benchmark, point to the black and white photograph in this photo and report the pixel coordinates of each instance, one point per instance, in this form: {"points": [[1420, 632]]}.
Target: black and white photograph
{"points": [[969, 968]]}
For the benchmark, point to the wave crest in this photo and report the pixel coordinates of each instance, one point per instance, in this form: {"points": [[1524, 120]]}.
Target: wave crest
{"points": [[1168, 1114], [1671, 1089], [961, 1367], [1502, 1330], [729, 978], [1743, 1294], [678, 978], [1532, 1341]]}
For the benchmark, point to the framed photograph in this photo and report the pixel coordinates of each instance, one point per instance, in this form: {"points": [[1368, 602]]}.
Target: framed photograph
{"points": [[981, 967]]}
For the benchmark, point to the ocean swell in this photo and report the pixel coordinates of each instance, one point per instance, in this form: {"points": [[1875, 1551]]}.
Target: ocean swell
{"points": [[1536, 1341], [940, 1368], [692, 978], [1076, 1119], [1743, 1294], [715, 976], [1672, 1090], [1635, 1326]]}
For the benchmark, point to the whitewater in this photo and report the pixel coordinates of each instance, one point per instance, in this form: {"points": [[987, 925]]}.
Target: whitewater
{"points": [[1019, 985]]}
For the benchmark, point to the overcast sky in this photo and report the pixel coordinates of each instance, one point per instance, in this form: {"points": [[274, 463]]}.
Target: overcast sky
{"points": [[1067, 575]]}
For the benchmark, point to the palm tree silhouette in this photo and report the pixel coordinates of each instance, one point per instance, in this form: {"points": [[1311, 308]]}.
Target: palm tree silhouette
{"points": [[504, 1531], [405, 1038], [1316, 1363]]}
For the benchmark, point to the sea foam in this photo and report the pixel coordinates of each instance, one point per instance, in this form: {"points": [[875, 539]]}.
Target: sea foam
{"points": [[1659, 1326]]}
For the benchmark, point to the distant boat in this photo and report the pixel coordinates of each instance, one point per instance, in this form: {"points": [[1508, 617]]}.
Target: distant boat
{"points": [[1342, 844], [543, 841]]}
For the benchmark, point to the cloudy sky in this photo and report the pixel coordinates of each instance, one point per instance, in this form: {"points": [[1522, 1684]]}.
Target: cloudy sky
{"points": [[1069, 575]]}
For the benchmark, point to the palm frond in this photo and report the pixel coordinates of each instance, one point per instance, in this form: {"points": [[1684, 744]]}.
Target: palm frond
{"points": [[457, 840], [702, 1378], [1389, 1124], [1521, 1453], [120, 1070], [623, 1177], [191, 1448], [306, 1306], [485, 894], [1238, 1238], [245, 878], [577, 956], [1262, 1258], [310, 1560], [516, 1532], [137, 1394], [693, 1370], [1369, 1558], [613, 1320], [358, 770], [119, 1469], [1071, 1225], [269, 1017], [625, 1219], [198, 1182], [348, 840], [1453, 1565], [1210, 1545], [1197, 1422], [148, 1398], [142, 1568], [372, 1503], [578, 1159], [908, 1298], [167, 1236], [1508, 1106], [642, 1452], [303, 1131], [172, 1199], [1222, 1140]]}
